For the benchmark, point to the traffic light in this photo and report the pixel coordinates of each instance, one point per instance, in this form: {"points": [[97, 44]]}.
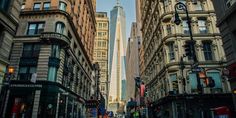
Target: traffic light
{"points": [[146, 93], [188, 49], [175, 85], [137, 82], [209, 82]]}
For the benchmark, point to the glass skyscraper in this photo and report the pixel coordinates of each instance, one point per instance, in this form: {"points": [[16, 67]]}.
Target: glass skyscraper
{"points": [[117, 56]]}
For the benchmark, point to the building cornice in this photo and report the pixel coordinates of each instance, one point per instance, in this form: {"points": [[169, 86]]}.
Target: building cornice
{"points": [[6, 25]]}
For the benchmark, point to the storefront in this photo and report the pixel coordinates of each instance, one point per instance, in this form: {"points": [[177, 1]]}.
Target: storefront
{"points": [[42, 100], [192, 106]]}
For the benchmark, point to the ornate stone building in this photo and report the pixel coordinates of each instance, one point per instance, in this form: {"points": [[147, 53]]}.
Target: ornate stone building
{"points": [[162, 49], [100, 54], [52, 58], [9, 18]]}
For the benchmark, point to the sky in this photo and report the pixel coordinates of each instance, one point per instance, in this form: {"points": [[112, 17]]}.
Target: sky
{"points": [[128, 5]]}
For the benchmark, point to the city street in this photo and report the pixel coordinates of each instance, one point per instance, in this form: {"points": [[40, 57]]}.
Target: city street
{"points": [[117, 59]]}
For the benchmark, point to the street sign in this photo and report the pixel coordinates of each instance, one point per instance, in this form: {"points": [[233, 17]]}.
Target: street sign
{"points": [[195, 65], [110, 113], [198, 69]]}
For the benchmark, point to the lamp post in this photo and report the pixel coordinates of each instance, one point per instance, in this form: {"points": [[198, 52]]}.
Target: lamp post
{"points": [[5, 87], [177, 21], [181, 64], [97, 76]]}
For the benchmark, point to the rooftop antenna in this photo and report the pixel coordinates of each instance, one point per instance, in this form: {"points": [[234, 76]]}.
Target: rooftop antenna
{"points": [[118, 2]]}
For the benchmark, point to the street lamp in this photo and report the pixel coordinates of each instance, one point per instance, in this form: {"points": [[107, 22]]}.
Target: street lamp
{"points": [[97, 76], [177, 21], [5, 87], [181, 64]]}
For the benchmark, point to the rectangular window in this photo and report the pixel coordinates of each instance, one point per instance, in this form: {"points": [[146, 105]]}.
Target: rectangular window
{"points": [[216, 77], [99, 34], [104, 34], [202, 26], [25, 72], [102, 88], [207, 50], [23, 6], [104, 25], [185, 27], [46, 6], [171, 52], [99, 25], [52, 74], [55, 51], [104, 44], [60, 27], [62, 6], [183, 1], [36, 6], [31, 50], [166, 4], [198, 6], [103, 54], [4, 5], [168, 29], [174, 81], [99, 54], [193, 81], [99, 44], [35, 28]]}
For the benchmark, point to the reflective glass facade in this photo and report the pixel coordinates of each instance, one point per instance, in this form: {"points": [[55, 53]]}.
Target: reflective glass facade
{"points": [[117, 48]]}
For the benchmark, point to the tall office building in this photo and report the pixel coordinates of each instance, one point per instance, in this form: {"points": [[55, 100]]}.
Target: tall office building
{"points": [[116, 55], [172, 92], [100, 54], [51, 57], [132, 67]]}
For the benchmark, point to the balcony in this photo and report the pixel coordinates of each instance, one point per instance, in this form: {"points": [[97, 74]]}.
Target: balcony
{"points": [[53, 37]]}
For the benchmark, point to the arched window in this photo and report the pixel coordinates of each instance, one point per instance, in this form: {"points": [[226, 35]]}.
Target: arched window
{"points": [[62, 6], [60, 27]]}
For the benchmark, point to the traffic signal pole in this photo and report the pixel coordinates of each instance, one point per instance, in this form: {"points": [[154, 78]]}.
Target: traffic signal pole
{"points": [[181, 6], [192, 45]]}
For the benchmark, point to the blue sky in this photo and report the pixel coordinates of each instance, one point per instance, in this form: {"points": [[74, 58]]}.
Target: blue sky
{"points": [[128, 5]]}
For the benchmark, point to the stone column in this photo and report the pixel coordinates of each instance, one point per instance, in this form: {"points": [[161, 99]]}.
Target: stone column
{"points": [[58, 104], [36, 104], [5, 106]]}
